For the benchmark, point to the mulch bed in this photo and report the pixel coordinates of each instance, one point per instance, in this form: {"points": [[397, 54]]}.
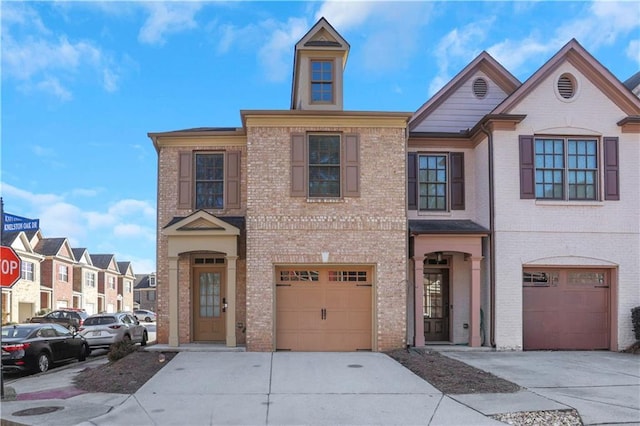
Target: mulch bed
{"points": [[450, 376]]}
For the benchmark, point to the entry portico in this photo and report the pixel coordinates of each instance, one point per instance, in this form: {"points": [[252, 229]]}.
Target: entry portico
{"points": [[201, 234], [447, 237]]}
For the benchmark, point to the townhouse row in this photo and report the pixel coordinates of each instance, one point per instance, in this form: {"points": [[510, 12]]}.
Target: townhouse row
{"points": [[500, 213], [55, 275]]}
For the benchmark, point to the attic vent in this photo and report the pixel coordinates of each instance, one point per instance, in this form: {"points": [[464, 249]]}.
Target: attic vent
{"points": [[480, 88], [566, 86]]}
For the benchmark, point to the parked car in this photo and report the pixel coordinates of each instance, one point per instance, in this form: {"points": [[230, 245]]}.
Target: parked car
{"points": [[103, 330], [145, 315], [70, 318], [37, 346]]}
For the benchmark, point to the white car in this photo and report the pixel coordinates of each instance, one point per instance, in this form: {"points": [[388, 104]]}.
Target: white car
{"points": [[145, 315], [103, 330]]}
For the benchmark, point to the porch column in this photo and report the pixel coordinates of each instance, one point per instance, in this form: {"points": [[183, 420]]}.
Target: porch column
{"points": [[474, 314], [173, 302], [231, 301], [418, 281]]}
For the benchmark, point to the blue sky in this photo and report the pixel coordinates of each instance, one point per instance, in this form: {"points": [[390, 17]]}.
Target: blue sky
{"points": [[84, 82]]}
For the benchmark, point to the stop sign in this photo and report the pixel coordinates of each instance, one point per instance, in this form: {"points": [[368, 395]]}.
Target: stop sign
{"points": [[9, 267]]}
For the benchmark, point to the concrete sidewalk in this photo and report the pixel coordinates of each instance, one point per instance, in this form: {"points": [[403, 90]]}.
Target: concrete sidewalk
{"points": [[203, 388], [604, 387]]}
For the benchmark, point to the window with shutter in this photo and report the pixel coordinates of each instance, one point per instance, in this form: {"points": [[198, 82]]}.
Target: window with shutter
{"points": [[562, 168], [209, 180], [611, 172], [325, 165], [435, 181]]}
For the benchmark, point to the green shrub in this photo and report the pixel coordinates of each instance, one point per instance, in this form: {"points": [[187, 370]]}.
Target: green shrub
{"points": [[120, 350], [635, 320]]}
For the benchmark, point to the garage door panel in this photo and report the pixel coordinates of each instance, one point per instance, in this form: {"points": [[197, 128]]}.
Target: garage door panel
{"points": [[569, 311], [333, 313]]}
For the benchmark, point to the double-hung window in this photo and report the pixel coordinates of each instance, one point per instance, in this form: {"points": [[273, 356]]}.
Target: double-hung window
{"points": [[432, 175], [209, 181], [435, 181], [27, 271], [325, 165], [566, 169], [63, 273], [569, 168], [322, 81], [90, 279]]}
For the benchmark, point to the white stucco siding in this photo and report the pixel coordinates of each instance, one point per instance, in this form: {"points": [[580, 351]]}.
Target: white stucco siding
{"points": [[459, 299], [480, 182], [462, 109], [527, 230]]}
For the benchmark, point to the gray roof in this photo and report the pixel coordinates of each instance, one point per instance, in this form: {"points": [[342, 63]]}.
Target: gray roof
{"points": [[78, 252], [123, 266], [142, 281], [633, 81], [8, 238], [102, 260], [446, 227], [49, 246]]}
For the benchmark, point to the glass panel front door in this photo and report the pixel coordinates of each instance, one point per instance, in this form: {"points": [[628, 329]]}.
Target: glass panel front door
{"points": [[436, 305], [209, 307]]}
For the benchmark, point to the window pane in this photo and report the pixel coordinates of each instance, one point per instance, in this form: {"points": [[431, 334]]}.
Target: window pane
{"points": [[324, 166], [432, 177], [209, 184]]}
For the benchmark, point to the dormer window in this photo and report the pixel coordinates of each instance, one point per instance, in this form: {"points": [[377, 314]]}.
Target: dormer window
{"points": [[322, 81]]}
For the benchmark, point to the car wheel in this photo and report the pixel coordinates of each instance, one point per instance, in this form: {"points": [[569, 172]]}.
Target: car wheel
{"points": [[147, 319], [144, 339], [84, 352], [72, 328], [44, 360]]}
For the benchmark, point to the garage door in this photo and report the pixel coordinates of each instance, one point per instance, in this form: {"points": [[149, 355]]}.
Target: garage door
{"points": [[323, 309], [566, 309]]}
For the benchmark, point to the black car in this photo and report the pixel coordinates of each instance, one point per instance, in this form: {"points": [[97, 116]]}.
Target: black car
{"points": [[70, 318], [37, 346]]}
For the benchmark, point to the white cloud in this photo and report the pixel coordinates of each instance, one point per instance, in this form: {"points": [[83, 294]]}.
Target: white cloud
{"points": [[43, 61], [633, 51], [275, 54], [457, 49], [167, 18]]}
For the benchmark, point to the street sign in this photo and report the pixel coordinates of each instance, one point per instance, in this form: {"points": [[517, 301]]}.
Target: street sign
{"points": [[9, 267], [13, 223]]}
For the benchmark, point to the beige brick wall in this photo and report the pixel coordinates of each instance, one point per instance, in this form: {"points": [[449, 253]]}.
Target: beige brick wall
{"points": [[167, 210], [369, 229]]}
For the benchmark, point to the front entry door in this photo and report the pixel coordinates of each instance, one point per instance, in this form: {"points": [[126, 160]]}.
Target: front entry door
{"points": [[209, 305], [436, 305]]}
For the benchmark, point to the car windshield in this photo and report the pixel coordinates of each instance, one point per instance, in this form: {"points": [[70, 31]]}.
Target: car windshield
{"points": [[99, 321], [16, 331]]}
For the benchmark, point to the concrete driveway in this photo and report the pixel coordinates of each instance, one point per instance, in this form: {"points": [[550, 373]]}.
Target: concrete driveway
{"points": [[603, 386]]}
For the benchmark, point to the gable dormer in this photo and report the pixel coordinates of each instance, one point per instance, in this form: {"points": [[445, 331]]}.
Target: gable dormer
{"points": [[318, 67]]}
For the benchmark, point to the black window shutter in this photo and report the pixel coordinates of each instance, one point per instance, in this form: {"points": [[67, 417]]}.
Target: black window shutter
{"points": [[611, 169], [457, 180], [412, 181], [527, 168]]}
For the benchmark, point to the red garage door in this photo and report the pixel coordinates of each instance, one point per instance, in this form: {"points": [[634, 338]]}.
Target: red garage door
{"points": [[566, 309]]}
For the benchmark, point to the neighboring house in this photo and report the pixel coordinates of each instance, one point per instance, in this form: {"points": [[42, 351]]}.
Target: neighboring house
{"points": [[126, 280], [144, 292], [85, 281], [56, 273], [523, 207], [21, 301], [500, 213], [108, 274]]}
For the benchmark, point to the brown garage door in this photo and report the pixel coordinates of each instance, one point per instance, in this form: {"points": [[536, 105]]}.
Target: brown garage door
{"points": [[566, 309], [323, 309]]}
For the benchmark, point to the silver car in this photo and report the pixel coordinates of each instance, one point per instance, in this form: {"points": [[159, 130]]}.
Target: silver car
{"points": [[145, 315], [103, 330]]}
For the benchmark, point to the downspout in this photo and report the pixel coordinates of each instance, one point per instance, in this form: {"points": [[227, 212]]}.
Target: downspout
{"points": [[492, 249]]}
